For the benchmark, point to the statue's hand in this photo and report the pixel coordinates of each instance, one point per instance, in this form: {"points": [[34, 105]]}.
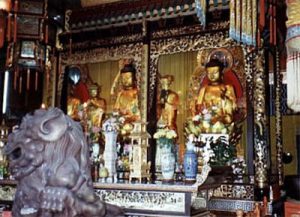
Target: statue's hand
{"points": [[55, 199]]}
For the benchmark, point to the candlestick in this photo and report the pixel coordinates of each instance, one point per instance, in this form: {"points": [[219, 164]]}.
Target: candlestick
{"points": [[36, 80], [28, 79]]}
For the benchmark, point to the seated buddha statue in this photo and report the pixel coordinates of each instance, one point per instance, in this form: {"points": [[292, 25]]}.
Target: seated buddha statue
{"points": [[167, 103], [216, 101], [96, 106], [127, 99]]}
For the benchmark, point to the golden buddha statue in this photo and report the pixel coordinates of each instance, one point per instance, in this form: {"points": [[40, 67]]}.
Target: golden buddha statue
{"points": [[216, 101], [96, 106], [127, 99], [73, 105], [168, 103]]}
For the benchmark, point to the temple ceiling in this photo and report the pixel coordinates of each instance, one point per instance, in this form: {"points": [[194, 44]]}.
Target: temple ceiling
{"points": [[116, 18], [90, 3]]}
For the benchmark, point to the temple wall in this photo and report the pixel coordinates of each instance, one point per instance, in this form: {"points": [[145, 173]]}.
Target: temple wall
{"points": [[290, 124]]}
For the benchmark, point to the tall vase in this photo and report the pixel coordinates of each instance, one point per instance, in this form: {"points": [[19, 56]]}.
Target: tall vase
{"points": [[167, 161], [110, 152], [158, 158], [190, 162]]}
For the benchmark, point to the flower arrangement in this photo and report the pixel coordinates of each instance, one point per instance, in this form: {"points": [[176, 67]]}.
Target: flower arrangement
{"points": [[165, 136], [215, 149], [224, 152], [239, 166], [166, 133], [113, 123], [207, 153], [95, 133], [206, 121]]}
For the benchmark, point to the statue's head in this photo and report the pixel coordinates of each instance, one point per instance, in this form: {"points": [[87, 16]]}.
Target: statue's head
{"points": [[214, 70], [166, 81], [128, 76], [94, 90], [46, 137]]}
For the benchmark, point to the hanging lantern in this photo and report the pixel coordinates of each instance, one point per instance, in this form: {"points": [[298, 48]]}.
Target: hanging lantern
{"points": [[243, 16], [293, 58]]}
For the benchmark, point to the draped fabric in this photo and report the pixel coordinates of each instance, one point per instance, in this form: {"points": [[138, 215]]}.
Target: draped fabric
{"points": [[201, 7], [243, 15], [104, 74], [293, 81], [293, 51], [181, 66]]}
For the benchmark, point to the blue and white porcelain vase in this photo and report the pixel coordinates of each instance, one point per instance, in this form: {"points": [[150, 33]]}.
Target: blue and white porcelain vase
{"points": [[190, 162], [158, 158], [167, 158]]}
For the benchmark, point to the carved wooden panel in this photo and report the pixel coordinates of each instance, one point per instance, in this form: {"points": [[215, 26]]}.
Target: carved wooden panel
{"points": [[31, 7], [28, 25]]}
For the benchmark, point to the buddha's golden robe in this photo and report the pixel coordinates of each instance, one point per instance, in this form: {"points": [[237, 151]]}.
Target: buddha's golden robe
{"points": [[219, 99], [127, 105]]}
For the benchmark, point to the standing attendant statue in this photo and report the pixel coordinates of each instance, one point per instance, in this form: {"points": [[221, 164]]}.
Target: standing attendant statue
{"points": [[168, 103], [96, 106]]}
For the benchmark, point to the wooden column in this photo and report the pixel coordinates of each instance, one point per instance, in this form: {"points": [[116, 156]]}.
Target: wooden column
{"points": [[260, 128]]}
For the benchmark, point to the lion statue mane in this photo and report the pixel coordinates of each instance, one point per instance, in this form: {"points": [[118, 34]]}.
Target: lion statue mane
{"points": [[49, 157]]}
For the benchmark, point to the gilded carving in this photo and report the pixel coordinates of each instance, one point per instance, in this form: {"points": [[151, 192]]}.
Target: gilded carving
{"points": [[260, 144], [278, 121], [187, 30], [249, 56], [67, 20], [144, 200], [235, 191], [134, 38], [229, 205]]}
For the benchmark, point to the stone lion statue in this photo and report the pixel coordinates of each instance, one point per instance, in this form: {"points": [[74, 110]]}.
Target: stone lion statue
{"points": [[49, 157]]}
